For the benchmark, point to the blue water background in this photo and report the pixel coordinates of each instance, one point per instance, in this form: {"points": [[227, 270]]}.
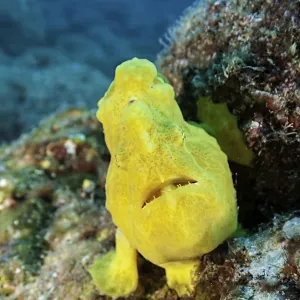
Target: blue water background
{"points": [[57, 54]]}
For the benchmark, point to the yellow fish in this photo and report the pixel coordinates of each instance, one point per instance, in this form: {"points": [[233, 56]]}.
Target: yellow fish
{"points": [[169, 187]]}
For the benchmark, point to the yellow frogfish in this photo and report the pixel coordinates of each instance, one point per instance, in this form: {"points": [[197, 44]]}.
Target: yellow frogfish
{"points": [[169, 188]]}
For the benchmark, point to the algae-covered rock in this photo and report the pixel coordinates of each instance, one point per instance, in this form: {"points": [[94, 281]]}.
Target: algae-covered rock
{"points": [[263, 265], [51, 196], [245, 54], [54, 224]]}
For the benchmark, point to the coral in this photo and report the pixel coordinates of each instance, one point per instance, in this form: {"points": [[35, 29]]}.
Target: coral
{"points": [[40, 211], [168, 181], [246, 54]]}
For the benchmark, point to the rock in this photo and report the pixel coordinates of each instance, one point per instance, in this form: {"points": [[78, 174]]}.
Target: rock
{"points": [[234, 52], [261, 265], [45, 210], [292, 229]]}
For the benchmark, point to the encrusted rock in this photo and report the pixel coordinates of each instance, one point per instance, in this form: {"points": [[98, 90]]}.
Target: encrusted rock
{"points": [[246, 54]]}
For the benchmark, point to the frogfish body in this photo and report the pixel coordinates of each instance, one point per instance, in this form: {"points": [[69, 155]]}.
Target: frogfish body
{"points": [[169, 187]]}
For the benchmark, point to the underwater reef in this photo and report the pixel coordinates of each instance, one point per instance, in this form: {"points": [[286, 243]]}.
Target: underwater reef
{"points": [[239, 54], [52, 207], [54, 223]]}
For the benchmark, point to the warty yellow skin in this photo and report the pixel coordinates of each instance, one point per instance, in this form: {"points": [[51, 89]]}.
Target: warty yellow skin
{"points": [[169, 187]]}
